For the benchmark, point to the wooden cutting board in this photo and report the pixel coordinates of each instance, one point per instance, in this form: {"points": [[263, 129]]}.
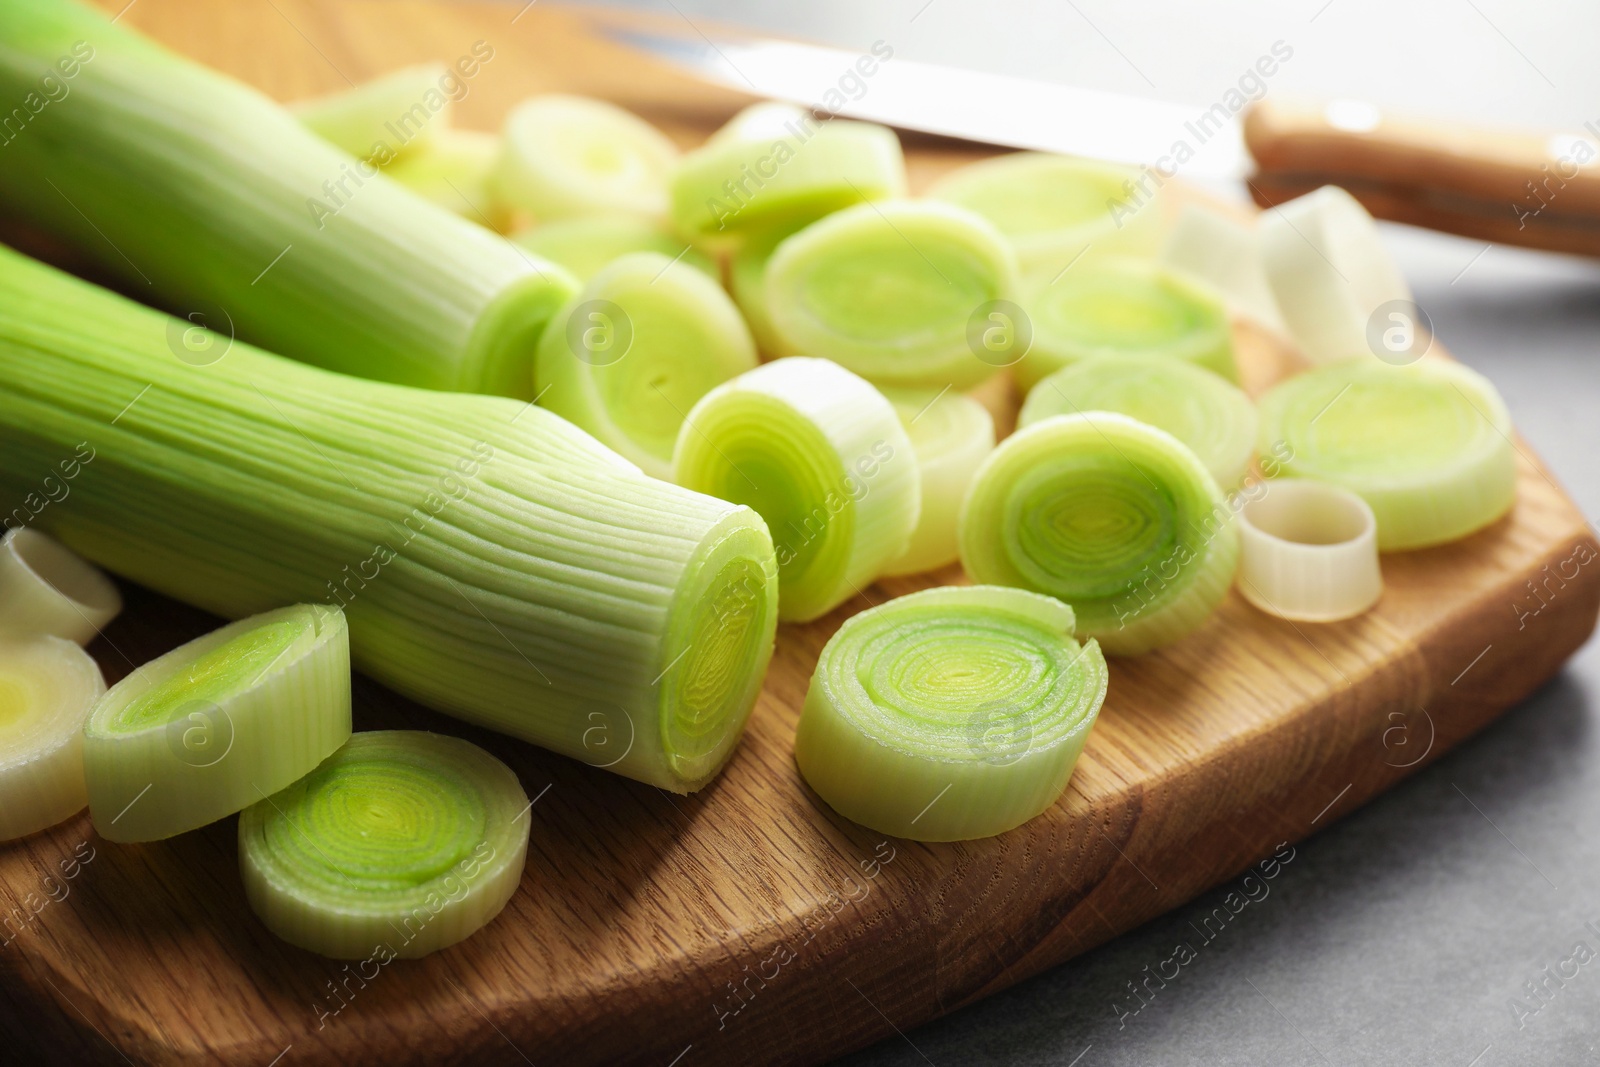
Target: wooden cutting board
{"points": [[748, 923]]}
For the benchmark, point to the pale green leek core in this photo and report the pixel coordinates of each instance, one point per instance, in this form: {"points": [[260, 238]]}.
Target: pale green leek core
{"points": [[452, 170], [400, 844], [1213, 418], [891, 291], [772, 166], [636, 349], [1117, 518], [383, 117], [1057, 210], [215, 725], [47, 687], [585, 245], [493, 561], [951, 434], [206, 197], [821, 455], [1116, 308], [951, 713], [1427, 445]]}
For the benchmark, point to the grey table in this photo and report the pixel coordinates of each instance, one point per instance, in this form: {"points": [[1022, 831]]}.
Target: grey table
{"points": [[1404, 933]]}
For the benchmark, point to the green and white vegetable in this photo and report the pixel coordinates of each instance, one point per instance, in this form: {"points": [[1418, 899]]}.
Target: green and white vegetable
{"points": [[205, 196], [1428, 445], [892, 291], [400, 844], [747, 281], [951, 435], [1056, 210], [1117, 518], [1309, 552], [1112, 309], [396, 113], [821, 455], [1223, 253], [493, 561], [570, 156], [1330, 275], [585, 245], [951, 713], [219, 723], [46, 588], [1213, 418], [47, 686], [636, 349], [453, 170]]}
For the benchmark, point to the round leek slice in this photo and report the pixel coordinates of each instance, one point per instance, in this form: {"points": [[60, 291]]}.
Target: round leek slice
{"points": [[1213, 418], [1309, 552], [389, 115], [453, 170], [1055, 209], [47, 686], [1117, 518], [401, 843], [1428, 445], [216, 724], [951, 434], [1111, 309], [891, 291], [585, 245], [951, 713], [770, 168], [747, 281], [628, 358], [565, 156], [820, 454], [1224, 255], [45, 588], [1329, 272]]}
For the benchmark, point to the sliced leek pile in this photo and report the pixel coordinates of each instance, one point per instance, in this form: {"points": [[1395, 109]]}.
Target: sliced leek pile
{"points": [[586, 244]]}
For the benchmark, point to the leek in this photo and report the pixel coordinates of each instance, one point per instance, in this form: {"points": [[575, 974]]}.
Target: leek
{"points": [[453, 170], [1224, 254], [1117, 518], [950, 713], [47, 686], [203, 195], [493, 561], [1427, 445], [1309, 552], [820, 454], [400, 844], [747, 281], [636, 349], [892, 291], [362, 120], [951, 435], [584, 245], [46, 589], [1117, 308], [566, 157], [1213, 418]]}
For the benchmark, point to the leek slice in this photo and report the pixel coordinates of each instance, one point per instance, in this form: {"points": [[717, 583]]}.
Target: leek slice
{"points": [[1117, 518], [637, 348], [1309, 552], [287, 241], [215, 725], [1217, 251], [821, 455], [951, 434], [891, 291], [46, 588], [1329, 272], [1117, 308], [1428, 445], [772, 167], [1213, 418], [47, 686], [382, 118], [568, 156], [1056, 209], [453, 170], [951, 713], [585, 245], [494, 561], [747, 281], [400, 844]]}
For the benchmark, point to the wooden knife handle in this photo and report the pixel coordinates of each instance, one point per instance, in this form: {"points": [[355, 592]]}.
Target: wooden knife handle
{"points": [[1498, 185]]}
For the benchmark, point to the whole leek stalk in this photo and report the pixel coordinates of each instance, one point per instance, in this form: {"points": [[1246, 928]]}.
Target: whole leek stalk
{"points": [[204, 196], [492, 560]]}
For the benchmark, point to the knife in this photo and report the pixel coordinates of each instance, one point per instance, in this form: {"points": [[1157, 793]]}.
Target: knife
{"points": [[1537, 190]]}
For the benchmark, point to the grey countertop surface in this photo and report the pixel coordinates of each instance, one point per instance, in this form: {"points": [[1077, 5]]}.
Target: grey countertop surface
{"points": [[1405, 932]]}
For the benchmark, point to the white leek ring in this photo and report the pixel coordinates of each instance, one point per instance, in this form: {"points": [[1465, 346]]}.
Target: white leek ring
{"points": [[1309, 552], [1208, 247], [951, 434], [47, 686], [46, 588]]}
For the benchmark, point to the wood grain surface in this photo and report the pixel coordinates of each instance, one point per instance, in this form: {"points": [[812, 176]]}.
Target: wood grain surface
{"points": [[748, 923]]}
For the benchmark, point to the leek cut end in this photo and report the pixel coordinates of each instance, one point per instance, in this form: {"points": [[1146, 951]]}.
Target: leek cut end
{"points": [[47, 687], [46, 588]]}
